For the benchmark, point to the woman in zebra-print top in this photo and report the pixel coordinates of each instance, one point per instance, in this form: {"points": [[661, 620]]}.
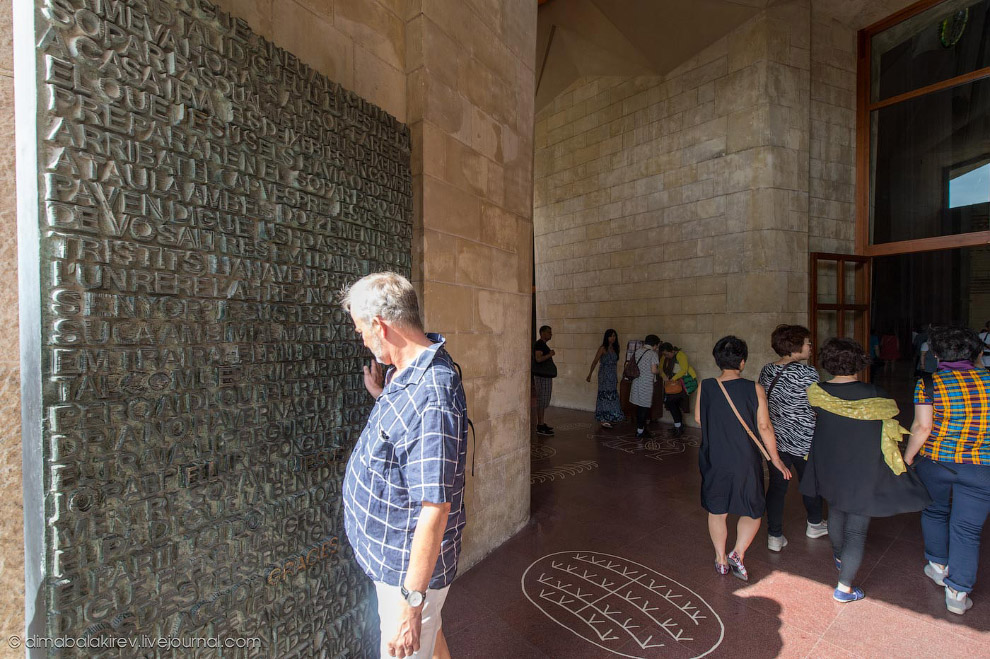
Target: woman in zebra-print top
{"points": [[786, 382]]}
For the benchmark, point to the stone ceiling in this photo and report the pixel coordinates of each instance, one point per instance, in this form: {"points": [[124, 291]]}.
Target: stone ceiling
{"points": [[579, 38]]}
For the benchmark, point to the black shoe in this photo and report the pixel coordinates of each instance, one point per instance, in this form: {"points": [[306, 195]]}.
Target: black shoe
{"points": [[546, 427], [676, 431], [544, 430]]}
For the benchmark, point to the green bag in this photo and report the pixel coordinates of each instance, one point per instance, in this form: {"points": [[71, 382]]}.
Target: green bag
{"points": [[690, 384]]}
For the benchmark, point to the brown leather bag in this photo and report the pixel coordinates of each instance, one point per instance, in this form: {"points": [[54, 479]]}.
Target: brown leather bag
{"points": [[759, 444], [673, 387]]}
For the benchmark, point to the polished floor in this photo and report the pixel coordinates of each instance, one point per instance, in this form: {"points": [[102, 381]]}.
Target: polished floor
{"points": [[616, 561]]}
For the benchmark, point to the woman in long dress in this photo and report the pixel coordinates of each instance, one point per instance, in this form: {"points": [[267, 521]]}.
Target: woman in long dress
{"points": [[607, 407], [730, 460]]}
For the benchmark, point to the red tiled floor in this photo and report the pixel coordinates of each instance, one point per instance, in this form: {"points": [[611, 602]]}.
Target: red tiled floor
{"points": [[642, 506]]}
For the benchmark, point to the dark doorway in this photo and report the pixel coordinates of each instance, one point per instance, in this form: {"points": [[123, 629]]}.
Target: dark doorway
{"points": [[911, 291]]}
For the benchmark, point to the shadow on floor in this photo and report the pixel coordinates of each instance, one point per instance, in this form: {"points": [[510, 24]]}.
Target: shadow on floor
{"points": [[614, 525]]}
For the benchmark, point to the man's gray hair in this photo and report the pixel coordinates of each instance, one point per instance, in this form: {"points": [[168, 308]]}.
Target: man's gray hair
{"points": [[386, 295]]}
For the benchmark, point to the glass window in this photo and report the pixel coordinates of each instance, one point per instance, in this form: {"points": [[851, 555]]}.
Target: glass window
{"points": [[971, 187], [946, 41], [927, 153]]}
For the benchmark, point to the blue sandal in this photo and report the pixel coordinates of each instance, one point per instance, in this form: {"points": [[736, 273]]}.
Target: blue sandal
{"points": [[838, 562]]}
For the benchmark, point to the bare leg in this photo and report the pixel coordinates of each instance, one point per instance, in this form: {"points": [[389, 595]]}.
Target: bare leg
{"points": [[746, 530], [440, 650], [719, 532]]}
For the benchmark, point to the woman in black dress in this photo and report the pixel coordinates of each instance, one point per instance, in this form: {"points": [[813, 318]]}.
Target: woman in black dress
{"points": [[730, 459], [854, 462]]}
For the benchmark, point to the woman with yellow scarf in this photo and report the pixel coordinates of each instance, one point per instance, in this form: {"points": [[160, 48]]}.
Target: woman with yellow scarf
{"points": [[855, 463]]}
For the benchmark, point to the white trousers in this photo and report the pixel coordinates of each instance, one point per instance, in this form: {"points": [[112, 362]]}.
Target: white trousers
{"points": [[390, 604]]}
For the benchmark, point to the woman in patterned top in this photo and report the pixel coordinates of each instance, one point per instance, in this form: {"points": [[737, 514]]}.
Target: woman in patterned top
{"points": [[641, 390], [786, 382], [950, 447]]}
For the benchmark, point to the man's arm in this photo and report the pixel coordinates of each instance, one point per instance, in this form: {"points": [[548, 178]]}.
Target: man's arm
{"points": [[423, 557]]}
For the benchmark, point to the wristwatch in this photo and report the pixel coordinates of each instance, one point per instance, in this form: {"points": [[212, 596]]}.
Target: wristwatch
{"points": [[414, 598]]}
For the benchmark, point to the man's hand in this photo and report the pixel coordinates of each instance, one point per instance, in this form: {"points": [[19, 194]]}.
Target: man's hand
{"points": [[374, 382], [553, 352], [406, 640]]}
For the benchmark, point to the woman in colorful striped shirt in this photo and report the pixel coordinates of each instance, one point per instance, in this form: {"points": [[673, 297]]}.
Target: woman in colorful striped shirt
{"points": [[951, 439]]}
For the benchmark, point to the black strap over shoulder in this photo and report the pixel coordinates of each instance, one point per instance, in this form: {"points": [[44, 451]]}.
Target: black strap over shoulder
{"points": [[474, 436], [777, 377], [929, 385]]}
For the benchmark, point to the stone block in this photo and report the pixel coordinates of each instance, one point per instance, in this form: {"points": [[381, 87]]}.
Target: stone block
{"points": [[441, 266], [448, 308], [748, 44], [433, 150], [519, 30], [439, 53], [374, 28], [450, 210], [316, 42], [741, 89], [746, 170], [257, 13], [380, 83], [748, 128], [475, 263], [505, 270], [447, 110], [11, 503], [758, 292], [464, 167]]}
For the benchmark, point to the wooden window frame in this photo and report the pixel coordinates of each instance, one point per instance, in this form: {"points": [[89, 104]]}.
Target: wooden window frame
{"points": [[861, 304], [863, 110]]}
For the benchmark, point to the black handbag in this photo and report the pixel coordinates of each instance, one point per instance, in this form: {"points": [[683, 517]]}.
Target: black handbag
{"points": [[544, 369]]}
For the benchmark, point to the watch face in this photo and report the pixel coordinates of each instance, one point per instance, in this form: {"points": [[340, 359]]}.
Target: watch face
{"points": [[414, 598]]}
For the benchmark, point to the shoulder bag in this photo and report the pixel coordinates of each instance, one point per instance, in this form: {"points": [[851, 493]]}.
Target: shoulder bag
{"points": [[631, 369], [749, 432]]}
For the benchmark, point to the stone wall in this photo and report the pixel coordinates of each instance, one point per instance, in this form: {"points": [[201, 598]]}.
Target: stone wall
{"points": [[832, 223], [678, 206], [11, 501], [471, 87]]}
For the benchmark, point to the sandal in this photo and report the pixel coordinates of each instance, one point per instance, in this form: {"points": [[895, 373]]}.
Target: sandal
{"points": [[738, 569], [838, 562], [844, 597]]}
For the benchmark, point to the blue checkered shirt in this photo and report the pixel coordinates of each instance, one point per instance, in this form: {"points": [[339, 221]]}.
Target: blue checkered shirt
{"points": [[413, 449]]}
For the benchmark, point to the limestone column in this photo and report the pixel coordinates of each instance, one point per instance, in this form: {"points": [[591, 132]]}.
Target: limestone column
{"points": [[763, 250], [470, 85]]}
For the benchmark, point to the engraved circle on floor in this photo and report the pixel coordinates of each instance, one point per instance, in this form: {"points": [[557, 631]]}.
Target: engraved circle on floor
{"points": [[656, 448], [560, 472], [622, 606], [541, 452]]}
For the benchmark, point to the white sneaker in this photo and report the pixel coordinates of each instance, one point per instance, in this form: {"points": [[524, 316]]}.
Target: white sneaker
{"points": [[957, 602], [817, 530], [935, 573], [776, 543]]}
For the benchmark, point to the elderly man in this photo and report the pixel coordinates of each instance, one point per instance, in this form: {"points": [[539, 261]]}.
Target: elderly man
{"points": [[404, 488]]}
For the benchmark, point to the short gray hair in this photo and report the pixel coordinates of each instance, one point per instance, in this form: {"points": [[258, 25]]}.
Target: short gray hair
{"points": [[385, 295]]}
